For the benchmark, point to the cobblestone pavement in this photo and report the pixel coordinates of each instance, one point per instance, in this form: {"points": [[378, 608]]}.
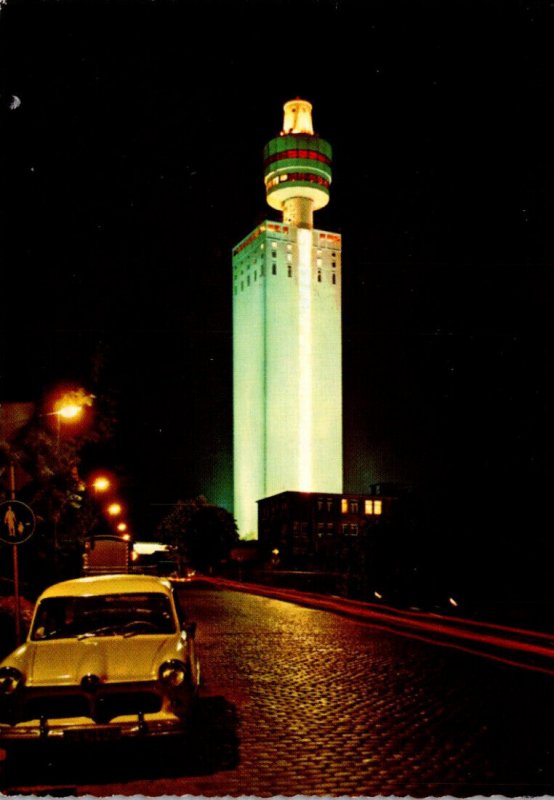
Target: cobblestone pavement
{"points": [[300, 701]]}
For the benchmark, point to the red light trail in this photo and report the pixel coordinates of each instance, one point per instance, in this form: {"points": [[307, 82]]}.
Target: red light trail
{"points": [[512, 646]]}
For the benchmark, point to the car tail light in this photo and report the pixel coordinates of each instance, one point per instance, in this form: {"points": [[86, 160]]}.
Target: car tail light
{"points": [[173, 673], [10, 679]]}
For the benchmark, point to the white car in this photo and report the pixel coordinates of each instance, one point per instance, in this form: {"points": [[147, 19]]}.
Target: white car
{"points": [[106, 658]]}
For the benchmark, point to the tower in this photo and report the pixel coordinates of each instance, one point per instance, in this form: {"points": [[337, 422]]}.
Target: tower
{"points": [[287, 382]]}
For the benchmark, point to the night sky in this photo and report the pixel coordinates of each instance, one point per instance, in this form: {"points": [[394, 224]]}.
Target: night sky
{"points": [[131, 163]]}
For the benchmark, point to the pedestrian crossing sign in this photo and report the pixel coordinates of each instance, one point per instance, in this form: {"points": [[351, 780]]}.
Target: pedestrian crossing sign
{"points": [[17, 522]]}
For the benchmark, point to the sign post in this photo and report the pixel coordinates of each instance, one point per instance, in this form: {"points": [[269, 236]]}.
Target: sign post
{"points": [[17, 524]]}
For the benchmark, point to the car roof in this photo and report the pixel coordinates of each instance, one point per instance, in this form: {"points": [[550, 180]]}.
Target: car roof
{"points": [[107, 584]]}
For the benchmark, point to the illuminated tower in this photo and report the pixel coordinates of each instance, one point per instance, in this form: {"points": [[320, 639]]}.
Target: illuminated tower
{"points": [[287, 383]]}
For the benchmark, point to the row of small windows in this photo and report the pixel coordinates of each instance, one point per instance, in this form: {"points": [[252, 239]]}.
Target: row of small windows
{"points": [[350, 505], [307, 177], [274, 272], [300, 530], [240, 267], [370, 506], [311, 154]]}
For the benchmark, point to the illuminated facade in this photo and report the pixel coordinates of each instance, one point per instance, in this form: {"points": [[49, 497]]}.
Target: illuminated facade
{"points": [[287, 331]]}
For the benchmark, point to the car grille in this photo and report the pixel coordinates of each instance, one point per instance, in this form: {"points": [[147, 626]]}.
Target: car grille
{"points": [[102, 707], [72, 705]]}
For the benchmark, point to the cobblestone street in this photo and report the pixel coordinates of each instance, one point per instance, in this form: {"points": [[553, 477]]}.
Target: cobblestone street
{"points": [[301, 701]]}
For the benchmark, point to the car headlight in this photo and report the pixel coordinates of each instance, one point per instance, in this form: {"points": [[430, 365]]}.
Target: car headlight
{"points": [[173, 673], [10, 679]]}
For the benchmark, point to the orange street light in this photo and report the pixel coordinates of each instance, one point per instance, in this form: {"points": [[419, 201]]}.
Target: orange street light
{"points": [[101, 484], [114, 509], [72, 404], [122, 526], [70, 411], [68, 408]]}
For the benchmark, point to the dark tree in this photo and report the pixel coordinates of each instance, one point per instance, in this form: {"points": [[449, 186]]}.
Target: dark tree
{"points": [[201, 533]]}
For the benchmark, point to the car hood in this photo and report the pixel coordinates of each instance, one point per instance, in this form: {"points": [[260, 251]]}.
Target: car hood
{"points": [[113, 659]]}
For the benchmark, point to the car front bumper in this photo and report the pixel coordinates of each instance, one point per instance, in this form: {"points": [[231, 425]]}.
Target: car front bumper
{"points": [[83, 729]]}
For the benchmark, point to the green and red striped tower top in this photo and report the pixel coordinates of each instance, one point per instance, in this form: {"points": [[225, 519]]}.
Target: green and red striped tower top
{"points": [[297, 166]]}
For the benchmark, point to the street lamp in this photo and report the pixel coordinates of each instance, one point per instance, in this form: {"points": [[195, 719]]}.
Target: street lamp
{"points": [[114, 509], [70, 407], [72, 403], [101, 484]]}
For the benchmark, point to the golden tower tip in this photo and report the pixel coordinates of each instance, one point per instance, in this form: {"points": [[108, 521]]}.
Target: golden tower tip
{"points": [[298, 117]]}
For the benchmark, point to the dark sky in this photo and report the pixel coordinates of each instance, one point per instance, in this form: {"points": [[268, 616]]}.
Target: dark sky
{"points": [[133, 164]]}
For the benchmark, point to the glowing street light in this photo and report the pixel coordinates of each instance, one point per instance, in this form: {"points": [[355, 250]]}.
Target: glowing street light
{"points": [[114, 509], [71, 404], [69, 407], [122, 527], [101, 484], [70, 412]]}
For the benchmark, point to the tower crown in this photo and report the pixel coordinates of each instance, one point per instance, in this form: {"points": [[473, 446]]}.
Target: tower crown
{"points": [[298, 117], [297, 166]]}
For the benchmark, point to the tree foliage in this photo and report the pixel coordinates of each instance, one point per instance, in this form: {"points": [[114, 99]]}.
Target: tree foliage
{"points": [[200, 533], [47, 461]]}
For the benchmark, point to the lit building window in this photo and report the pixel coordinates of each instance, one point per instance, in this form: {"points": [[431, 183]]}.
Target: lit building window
{"points": [[368, 506], [344, 505], [378, 507]]}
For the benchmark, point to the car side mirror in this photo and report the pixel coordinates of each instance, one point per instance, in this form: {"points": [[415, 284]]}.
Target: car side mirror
{"points": [[190, 629]]}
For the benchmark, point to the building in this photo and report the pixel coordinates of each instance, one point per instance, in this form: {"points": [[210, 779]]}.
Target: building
{"points": [[287, 385], [321, 530]]}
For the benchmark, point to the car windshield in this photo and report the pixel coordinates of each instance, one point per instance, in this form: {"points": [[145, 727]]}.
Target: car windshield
{"points": [[103, 615]]}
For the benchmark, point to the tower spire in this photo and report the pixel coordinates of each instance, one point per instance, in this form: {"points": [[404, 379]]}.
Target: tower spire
{"points": [[297, 117]]}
